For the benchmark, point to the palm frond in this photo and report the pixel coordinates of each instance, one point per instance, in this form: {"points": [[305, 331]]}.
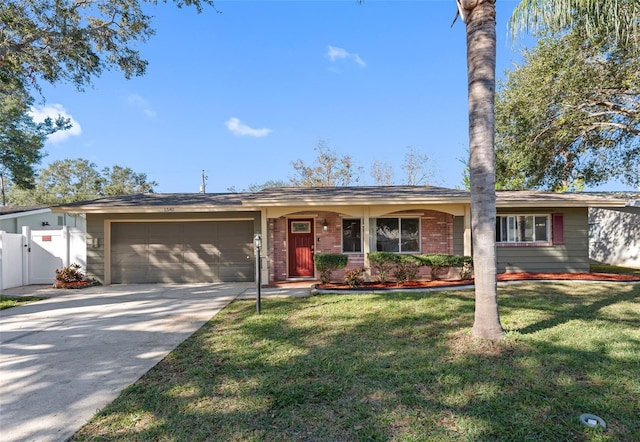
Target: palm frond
{"points": [[617, 18]]}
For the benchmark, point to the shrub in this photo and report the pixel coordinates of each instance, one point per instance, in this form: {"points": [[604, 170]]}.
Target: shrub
{"points": [[466, 269], [70, 273], [407, 267], [326, 263], [354, 277], [438, 261], [383, 263]]}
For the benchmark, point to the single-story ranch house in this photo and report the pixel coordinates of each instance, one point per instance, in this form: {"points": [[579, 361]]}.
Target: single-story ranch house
{"points": [[209, 237]]}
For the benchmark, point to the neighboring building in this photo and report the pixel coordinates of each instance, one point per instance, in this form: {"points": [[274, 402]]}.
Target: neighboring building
{"points": [[14, 218], [209, 237], [34, 242], [614, 233]]}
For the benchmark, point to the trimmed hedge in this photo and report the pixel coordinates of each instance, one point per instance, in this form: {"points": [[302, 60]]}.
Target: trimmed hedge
{"points": [[326, 263], [386, 262], [439, 261], [402, 266]]}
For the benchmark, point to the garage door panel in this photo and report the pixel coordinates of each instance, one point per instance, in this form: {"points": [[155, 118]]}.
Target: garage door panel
{"points": [[132, 260], [129, 248], [235, 229], [200, 230], [138, 230], [236, 274], [200, 258], [130, 255], [207, 248], [200, 251], [238, 254], [165, 274], [204, 249], [201, 274], [164, 259], [165, 228], [230, 241], [130, 273], [237, 257], [165, 248], [157, 250]]}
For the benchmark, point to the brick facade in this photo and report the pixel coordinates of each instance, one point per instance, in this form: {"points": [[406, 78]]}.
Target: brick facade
{"points": [[436, 231]]}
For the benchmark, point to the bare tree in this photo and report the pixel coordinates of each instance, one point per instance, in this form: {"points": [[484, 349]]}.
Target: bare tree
{"points": [[382, 173], [417, 169], [328, 170]]}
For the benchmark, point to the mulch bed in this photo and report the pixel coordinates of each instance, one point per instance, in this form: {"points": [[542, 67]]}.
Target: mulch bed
{"points": [[73, 284], [515, 276]]}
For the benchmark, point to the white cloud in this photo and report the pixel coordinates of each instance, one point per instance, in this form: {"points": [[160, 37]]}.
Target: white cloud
{"points": [[142, 104], [237, 127], [336, 53], [53, 111], [359, 60], [342, 54]]}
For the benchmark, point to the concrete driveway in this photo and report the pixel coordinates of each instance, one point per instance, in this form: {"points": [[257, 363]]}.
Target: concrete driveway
{"points": [[63, 359]]}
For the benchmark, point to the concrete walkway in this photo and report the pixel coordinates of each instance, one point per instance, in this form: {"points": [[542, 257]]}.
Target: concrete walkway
{"points": [[65, 358]]}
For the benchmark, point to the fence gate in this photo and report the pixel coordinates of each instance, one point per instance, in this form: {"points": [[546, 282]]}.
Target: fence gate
{"points": [[33, 256], [11, 262], [47, 252]]}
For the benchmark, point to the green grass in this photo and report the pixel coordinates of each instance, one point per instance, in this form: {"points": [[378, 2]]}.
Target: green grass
{"points": [[606, 268], [13, 301], [396, 367]]}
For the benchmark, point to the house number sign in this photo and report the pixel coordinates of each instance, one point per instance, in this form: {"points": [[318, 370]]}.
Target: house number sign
{"points": [[168, 209]]}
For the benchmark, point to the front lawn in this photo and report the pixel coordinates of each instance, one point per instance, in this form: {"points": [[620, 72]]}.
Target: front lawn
{"points": [[606, 268], [13, 301], [397, 366]]}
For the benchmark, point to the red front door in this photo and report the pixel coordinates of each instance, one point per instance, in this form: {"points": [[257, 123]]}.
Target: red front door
{"points": [[301, 244]]}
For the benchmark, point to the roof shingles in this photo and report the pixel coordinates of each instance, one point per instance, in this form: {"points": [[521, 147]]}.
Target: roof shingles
{"points": [[314, 196]]}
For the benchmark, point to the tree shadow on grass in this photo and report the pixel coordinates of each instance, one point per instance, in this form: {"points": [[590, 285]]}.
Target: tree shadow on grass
{"points": [[582, 310], [394, 368]]}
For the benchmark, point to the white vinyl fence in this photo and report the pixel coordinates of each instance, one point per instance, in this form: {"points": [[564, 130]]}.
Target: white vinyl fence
{"points": [[33, 256], [10, 260]]}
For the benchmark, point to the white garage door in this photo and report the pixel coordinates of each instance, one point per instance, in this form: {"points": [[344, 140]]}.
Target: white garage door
{"points": [[199, 251]]}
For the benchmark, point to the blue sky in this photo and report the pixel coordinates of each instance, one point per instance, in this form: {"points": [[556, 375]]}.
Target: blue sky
{"points": [[243, 93]]}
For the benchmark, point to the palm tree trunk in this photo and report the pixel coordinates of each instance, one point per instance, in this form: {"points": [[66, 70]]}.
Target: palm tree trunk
{"points": [[480, 18]]}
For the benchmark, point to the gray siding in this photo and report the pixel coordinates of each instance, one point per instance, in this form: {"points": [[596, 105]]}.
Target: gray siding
{"points": [[458, 235], [9, 225], [572, 256], [95, 255]]}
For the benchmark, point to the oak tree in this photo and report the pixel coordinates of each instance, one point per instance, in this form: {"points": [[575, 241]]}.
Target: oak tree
{"points": [[52, 41], [21, 138], [75, 41], [71, 180], [569, 116]]}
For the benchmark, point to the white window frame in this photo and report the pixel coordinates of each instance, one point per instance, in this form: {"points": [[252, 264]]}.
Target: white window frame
{"points": [[374, 233], [512, 227]]}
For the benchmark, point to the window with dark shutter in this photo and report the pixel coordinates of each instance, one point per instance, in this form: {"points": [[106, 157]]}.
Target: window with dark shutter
{"points": [[558, 228]]}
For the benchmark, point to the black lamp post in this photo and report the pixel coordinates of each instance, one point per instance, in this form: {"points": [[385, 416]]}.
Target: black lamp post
{"points": [[257, 242]]}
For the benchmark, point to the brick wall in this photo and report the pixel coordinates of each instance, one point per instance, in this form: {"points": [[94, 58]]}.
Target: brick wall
{"points": [[436, 232], [278, 249]]}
